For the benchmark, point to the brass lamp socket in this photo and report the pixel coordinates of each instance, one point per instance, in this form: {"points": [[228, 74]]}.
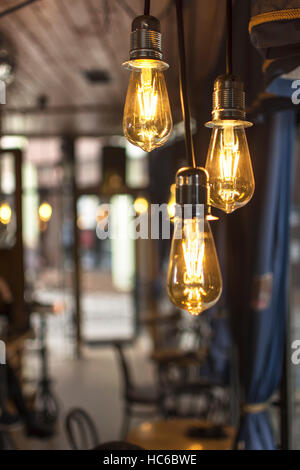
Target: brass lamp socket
{"points": [[228, 98], [145, 39], [192, 189]]}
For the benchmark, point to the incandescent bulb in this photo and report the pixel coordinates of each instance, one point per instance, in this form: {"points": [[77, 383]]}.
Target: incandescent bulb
{"points": [[147, 120], [194, 278], [229, 166]]}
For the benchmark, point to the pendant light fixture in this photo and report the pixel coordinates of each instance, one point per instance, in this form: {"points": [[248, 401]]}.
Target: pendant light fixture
{"points": [[194, 279], [147, 120], [228, 161]]}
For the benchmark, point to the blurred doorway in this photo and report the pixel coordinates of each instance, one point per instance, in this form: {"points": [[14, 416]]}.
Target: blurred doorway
{"points": [[107, 271]]}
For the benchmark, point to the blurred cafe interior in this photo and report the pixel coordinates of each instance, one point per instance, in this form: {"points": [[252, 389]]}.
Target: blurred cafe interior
{"points": [[149, 224]]}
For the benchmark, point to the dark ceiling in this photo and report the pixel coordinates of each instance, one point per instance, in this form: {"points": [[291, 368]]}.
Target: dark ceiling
{"points": [[59, 42]]}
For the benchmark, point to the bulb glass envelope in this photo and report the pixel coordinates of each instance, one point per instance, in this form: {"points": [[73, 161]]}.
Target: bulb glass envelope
{"points": [[228, 160], [194, 277], [147, 120], [229, 165]]}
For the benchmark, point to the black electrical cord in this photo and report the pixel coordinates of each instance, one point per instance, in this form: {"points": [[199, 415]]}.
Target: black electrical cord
{"points": [[130, 12], [16, 7], [185, 104], [147, 8], [229, 37]]}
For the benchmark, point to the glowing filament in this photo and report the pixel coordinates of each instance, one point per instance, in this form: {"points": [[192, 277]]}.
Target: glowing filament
{"points": [[229, 159], [193, 251], [147, 96]]}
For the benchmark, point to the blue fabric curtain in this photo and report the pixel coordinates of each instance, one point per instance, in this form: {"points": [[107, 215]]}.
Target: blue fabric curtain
{"points": [[256, 242], [259, 309]]}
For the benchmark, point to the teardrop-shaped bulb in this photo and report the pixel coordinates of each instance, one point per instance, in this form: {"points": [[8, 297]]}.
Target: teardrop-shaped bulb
{"points": [[229, 166], [194, 277], [147, 120]]}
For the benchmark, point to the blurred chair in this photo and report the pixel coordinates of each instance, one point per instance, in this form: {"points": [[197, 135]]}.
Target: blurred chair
{"points": [[80, 430], [139, 401], [182, 374], [46, 403]]}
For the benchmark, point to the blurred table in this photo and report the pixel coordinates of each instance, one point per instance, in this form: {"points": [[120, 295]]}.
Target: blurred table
{"points": [[179, 356], [173, 435]]}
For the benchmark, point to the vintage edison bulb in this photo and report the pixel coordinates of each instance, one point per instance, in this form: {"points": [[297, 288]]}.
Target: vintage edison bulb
{"points": [[194, 278], [229, 166], [147, 120]]}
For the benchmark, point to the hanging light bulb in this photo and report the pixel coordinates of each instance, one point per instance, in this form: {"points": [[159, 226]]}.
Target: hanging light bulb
{"points": [[147, 120], [228, 160], [194, 278]]}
